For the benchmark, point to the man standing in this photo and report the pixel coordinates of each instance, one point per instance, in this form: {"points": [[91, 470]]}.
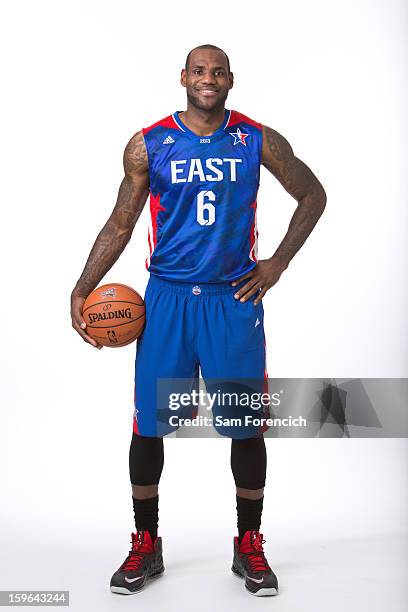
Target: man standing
{"points": [[201, 168]]}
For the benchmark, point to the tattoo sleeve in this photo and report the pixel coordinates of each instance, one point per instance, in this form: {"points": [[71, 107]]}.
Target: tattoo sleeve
{"points": [[117, 231], [300, 182]]}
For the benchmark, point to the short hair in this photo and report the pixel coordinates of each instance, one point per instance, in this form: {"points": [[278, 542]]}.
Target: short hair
{"points": [[214, 47]]}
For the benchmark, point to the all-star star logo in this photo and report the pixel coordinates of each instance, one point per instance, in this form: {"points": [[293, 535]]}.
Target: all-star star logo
{"points": [[239, 137]]}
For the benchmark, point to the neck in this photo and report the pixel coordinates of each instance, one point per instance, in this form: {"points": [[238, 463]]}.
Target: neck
{"points": [[202, 122]]}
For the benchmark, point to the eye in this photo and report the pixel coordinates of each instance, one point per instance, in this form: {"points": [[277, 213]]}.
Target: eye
{"points": [[197, 70]]}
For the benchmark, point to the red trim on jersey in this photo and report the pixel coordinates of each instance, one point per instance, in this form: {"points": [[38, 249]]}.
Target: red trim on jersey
{"points": [[167, 122], [239, 117], [266, 411], [253, 236], [155, 208], [151, 249]]}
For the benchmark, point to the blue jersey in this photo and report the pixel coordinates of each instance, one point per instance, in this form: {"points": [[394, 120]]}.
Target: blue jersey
{"points": [[203, 192]]}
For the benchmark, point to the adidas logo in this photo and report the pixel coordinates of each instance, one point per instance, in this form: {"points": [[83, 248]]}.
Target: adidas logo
{"points": [[168, 140], [257, 322]]}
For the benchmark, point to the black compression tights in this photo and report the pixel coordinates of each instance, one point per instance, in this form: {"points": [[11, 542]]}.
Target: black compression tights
{"points": [[146, 458], [248, 461]]}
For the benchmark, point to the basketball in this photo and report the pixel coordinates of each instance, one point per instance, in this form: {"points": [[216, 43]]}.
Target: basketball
{"points": [[114, 315]]}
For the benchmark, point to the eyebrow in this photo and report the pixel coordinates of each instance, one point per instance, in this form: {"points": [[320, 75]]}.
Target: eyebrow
{"points": [[215, 67]]}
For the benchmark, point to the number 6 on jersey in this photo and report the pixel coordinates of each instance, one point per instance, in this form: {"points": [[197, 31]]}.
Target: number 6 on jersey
{"points": [[205, 210]]}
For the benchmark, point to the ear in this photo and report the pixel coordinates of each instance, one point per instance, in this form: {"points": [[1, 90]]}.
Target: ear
{"points": [[231, 80], [183, 77]]}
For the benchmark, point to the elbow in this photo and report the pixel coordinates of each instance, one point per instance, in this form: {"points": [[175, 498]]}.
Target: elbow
{"points": [[315, 199], [320, 198], [323, 203], [324, 198]]}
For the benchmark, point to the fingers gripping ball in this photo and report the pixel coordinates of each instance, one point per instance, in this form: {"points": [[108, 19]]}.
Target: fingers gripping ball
{"points": [[114, 315]]}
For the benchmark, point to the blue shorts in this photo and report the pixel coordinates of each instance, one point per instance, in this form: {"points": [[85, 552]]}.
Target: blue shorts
{"points": [[190, 326]]}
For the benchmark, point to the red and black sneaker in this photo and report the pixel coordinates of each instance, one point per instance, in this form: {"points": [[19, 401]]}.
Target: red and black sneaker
{"points": [[143, 562], [250, 563]]}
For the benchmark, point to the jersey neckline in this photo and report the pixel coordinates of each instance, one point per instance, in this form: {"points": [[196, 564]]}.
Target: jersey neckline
{"points": [[219, 132]]}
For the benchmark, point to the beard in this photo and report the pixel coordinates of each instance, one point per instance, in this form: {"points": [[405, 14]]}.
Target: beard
{"points": [[210, 105]]}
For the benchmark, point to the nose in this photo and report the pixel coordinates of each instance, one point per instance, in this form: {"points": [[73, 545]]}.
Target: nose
{"points": [[208, 78]]}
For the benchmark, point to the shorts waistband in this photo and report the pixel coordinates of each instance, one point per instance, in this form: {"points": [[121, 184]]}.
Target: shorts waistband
{"points": [[186, 288]]}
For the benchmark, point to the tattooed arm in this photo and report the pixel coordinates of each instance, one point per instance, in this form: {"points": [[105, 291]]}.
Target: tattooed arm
{"points": [[301, 183], [117, 231]]}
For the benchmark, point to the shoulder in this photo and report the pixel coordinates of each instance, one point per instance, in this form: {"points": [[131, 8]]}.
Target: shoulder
{"points": [[239, 118], [135, 158], [276, 149], [162, 125], [159, 133], [144, 143]]}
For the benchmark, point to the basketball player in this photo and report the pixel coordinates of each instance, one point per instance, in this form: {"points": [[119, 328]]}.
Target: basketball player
{"points": [[201, 169]]}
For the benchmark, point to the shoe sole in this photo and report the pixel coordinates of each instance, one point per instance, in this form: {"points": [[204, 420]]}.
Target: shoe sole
{"points": [[265, 592], [124, 591]]}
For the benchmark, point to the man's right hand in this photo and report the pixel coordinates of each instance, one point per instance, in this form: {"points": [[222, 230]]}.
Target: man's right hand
{"points": [[78, 322]]}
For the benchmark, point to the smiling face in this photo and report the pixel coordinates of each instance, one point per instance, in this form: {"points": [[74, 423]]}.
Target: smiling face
{"points": [[207, 79]]}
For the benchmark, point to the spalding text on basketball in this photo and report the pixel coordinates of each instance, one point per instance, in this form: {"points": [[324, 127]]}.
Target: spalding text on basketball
{"points": [[124, 313]]}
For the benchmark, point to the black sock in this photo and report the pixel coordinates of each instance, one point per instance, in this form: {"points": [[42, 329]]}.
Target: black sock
{"points": [[249, 513], [146, 514]]}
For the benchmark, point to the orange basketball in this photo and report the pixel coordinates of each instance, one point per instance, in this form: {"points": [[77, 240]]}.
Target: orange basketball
{"points": [[114, 315]]}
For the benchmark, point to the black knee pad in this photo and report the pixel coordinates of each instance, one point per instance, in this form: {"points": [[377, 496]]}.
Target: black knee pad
{"points": [[248, 462], [146, 458]]}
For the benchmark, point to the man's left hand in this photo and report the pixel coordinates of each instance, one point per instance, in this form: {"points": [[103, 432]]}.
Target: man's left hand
{"points": [[261, 278]]}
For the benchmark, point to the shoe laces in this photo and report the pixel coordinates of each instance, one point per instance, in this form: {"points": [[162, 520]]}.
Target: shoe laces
{"points": [[255, 554], [134, 559]]}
